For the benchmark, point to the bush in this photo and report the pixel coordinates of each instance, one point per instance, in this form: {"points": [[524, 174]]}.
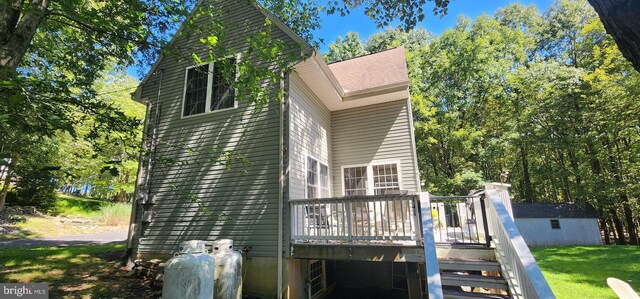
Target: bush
{"points": [[34, 188], [115, 214]]}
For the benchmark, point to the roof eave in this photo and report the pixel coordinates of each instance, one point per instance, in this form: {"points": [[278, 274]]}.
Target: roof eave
{"points": [[376, 90]]}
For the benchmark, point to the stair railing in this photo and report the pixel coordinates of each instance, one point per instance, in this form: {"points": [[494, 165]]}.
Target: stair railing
{"points": [[434, 283], [518, 265]]}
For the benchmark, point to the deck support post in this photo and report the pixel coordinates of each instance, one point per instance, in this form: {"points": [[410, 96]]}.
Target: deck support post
{"points": [[413, 281]]}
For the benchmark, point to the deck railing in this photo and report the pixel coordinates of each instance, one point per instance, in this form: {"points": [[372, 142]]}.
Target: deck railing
{"points": [[386, 218], [458, 220], [519, 267]]}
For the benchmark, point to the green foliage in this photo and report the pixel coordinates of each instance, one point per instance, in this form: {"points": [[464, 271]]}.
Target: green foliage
{"points": [[35, 188], [105, 160], [393, 37], [343, 49]]}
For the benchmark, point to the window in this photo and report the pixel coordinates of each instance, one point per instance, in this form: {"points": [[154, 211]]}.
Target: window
{"points": [[385, 177], [208, 89], [324, 181], [555, 224], [371, 180], [317, 179], [321, 277], [355, 181], [316, 277]]}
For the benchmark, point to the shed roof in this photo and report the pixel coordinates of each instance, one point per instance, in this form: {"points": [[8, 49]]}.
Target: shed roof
{"points": [[374, 71], [553, 210]]}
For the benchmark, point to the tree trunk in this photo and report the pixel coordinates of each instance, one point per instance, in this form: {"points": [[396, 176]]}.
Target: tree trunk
{"points": [[18, 26], [7, 181], [631, 225], [620, 240], [526, 177], [605, 231]]}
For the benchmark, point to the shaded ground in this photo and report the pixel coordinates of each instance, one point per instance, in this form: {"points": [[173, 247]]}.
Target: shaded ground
{"points": [[73, 272], [110, 237], [28, 223]]}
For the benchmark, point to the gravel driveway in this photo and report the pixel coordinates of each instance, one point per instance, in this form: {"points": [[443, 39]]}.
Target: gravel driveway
{"points": [[111, 237]]}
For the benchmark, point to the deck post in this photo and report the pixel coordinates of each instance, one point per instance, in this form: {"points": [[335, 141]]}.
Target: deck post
{"points": [[413, 281], [434, 284]]}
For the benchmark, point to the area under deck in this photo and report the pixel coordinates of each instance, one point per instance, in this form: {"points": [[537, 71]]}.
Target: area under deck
{"points": [[359, 252]]}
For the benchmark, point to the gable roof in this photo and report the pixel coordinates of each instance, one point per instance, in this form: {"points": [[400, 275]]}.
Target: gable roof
{"points": [[305, 46], [553, 210], [382, 70]]}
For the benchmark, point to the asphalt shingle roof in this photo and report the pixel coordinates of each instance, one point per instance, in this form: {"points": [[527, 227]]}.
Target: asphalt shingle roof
{"points": [[371, 71], [553, 210]]}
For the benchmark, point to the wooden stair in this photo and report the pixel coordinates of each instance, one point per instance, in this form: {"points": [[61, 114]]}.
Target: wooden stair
{"points": [[473, 280], [453, 294], [469, 270]]}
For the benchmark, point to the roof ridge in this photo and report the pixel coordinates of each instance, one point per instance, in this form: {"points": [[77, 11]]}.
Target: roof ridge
{"points": [[361, 56]]}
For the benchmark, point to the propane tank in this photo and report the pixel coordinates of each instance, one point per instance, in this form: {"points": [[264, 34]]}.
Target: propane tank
{"points": [[189, 274], [228, 273]]}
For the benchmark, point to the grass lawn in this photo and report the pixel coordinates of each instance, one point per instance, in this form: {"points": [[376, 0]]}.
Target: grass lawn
{"points": [[72, 272], [77, 206], [75, 216], [578, 272]]}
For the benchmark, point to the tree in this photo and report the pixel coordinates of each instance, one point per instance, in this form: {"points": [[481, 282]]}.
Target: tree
{"points": [[343, 49], [392, 37], [52, 52]]}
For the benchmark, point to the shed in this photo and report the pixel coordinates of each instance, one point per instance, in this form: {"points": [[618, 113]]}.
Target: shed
{"points": [[551, 224]]}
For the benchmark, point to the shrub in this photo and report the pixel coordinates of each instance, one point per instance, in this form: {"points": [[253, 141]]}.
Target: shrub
{"points": [[115, 214], [34, 188]]}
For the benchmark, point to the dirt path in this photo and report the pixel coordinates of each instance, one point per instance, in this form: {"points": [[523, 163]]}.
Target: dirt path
{"points": [[116, 236]]}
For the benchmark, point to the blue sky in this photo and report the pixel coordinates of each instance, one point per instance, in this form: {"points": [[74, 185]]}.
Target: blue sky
{"points": [[357, 21]]}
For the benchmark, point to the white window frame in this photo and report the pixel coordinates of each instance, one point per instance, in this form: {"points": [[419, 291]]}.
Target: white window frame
{"points": [[318, 186], [370, 183], [207, 108], [321, 277]]}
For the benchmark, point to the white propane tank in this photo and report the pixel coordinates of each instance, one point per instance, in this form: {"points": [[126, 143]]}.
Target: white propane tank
{"points": [[228, 274], [189, 275]]}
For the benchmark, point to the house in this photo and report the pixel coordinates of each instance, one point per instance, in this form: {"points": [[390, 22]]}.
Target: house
{"points": [[340, 129], [318, 185], [551, 224]]}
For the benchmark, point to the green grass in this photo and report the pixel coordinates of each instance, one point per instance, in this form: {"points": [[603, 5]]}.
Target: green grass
{"points": [[78, 206], [105, 212], [98, 216], [578, 272], [77, 272]]}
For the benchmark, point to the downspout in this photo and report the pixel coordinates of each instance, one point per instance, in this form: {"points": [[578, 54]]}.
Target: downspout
{"points": [[281, 188], [134, 206], [414, 152], [152, 149]]}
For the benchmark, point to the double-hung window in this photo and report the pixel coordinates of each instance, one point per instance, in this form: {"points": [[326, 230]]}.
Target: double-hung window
{"points": [[375, 179], [317, 179], [209, 87]]}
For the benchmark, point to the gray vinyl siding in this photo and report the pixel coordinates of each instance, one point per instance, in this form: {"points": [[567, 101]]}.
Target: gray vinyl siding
{"points": [[379, 132], [197, 198], [310, 134]]}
